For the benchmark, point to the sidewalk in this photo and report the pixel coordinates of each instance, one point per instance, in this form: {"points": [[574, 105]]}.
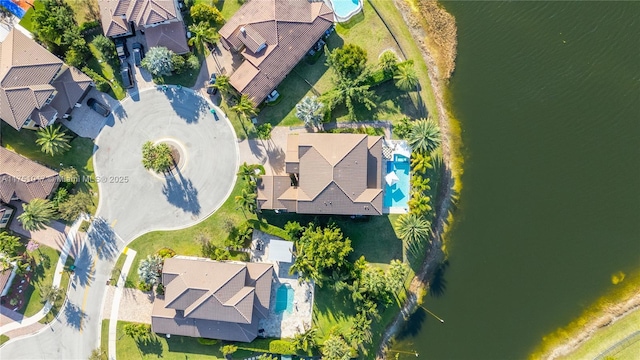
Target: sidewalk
{"points": [[57, 278], [117, 297]]}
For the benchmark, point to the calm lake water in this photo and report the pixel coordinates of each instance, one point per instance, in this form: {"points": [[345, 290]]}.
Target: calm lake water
{"points": [[548, 94]]}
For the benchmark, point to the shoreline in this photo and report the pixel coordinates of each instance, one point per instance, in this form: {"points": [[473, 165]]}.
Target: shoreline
{"points": [[435, 256]]}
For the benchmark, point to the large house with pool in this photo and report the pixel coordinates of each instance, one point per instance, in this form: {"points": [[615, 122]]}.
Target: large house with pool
{"points": [[338, 174]]}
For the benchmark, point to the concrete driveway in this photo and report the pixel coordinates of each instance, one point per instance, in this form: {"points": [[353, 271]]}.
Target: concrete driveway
{"points": [[134, 200]]}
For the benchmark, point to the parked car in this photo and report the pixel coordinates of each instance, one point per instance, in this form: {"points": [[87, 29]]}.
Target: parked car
{"points": [[121, 48], [210, 83], [127, 77], [98, 107], [138, 53]]}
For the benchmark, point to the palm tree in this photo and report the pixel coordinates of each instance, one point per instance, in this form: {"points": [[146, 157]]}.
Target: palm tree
{"points": [[349, 92], [250, 173], [53, 141], [419, 204], [396, 274], [413, 228], [360, 333], [246, 200], [420, 184], [50, 293], [223, 85], [305, 341], [37, 214], [244, 107], [420, 162], [201, 33], [309, 111], [424, 136], [406, 77]]}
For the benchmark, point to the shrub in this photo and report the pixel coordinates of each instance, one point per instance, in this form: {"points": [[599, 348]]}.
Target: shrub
{"points": [[144, 287], [388, 62], [69, 175], [156, 157], [84, 226], [106, 47], [160, 289], [206, 13], [192, 61], [166, 253], [205, 341], [178, 63], [89, 25], [75, 205], [158, 61], [281, 347]]}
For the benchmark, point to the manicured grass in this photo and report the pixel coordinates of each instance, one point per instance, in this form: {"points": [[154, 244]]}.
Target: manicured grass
{"points": [[610, 336], [243, 128], [25, 22], [3, 339], [104, 337], [46, 260], [183, 241], [106, 70], [177, 347], [187, 78], [227, 7], [82, 10], [64, 285], [79, 157]]}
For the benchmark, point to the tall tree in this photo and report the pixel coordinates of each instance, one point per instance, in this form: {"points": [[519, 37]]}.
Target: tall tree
{"points": [[348, 61], [309, 110], [424, 136], [413, 228], [75, 205], [351, 91], [246, 200], [37, 214], [245, 107], [406, 77], [50, 293], [53, 140], [306, 341], [223, 85], [150, 270], [202, 33], [206, 13], [158, 61], [9, 244], [396, 275], [335, 348]]}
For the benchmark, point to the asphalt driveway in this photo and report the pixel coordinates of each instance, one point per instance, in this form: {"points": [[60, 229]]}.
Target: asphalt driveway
{"points": [[134, 200]]}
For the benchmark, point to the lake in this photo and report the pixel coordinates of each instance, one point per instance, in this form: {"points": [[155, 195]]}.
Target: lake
{"points": [[548, 96]]}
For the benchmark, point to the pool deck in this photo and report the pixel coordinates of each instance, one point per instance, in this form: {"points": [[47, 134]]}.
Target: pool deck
{"points": [[284, 324]]}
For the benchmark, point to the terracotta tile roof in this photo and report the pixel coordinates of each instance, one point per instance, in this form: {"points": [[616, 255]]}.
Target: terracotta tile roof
{"points": [[71, 85], [171, 35], [216, 298], [338, 174], [288, 28], [26, 71], [116, 14], [24, 178]]}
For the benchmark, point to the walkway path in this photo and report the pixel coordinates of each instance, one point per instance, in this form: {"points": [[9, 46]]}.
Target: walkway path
{"points": [[57, 278], [115, 304]]}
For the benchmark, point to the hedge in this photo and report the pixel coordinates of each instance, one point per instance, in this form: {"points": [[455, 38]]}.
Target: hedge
{"points": [[205, 341], [268, 229], [283, 347]]}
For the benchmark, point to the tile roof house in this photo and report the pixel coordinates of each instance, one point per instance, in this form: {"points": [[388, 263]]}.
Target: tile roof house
{"points": [[337, 174], [5, 215], [211, 299], [160, 20], [272, 36], [24, 179], [35, 86]]}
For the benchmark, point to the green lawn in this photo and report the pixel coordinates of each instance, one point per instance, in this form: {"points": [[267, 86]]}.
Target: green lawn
{"points": [[369, 32], [609, 336], [183, 241], [64, 284], [104, 337], [25, 22], [3, 339], [46, 260], [80, 156], [187, 78], [106, 70], [177, 347], [83, 9]]}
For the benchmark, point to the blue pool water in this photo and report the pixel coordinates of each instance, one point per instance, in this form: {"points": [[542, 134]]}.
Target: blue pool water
{"points": [[398, 194], [343, 8], [13, 8], [284, 299]]}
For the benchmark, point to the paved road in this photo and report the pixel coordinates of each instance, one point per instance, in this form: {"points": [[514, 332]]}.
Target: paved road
{"points": [[142, 203], [134, 200]]}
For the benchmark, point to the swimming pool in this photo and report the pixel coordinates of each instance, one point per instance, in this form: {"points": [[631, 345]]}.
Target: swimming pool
{"points": [[397, 191], [345, 9], [16, 7], [284, 299]]}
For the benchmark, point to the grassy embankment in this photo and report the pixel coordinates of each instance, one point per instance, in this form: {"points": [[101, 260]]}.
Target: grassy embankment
{"points": [[594, 325]]}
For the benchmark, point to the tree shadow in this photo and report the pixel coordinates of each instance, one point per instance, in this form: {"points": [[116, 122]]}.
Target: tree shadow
{"points": [[181, 193], [412, 326], [185, 104], [103, 239], [275, 156], [83, 271], [438, 284], [74, 315], [150, 345]]}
